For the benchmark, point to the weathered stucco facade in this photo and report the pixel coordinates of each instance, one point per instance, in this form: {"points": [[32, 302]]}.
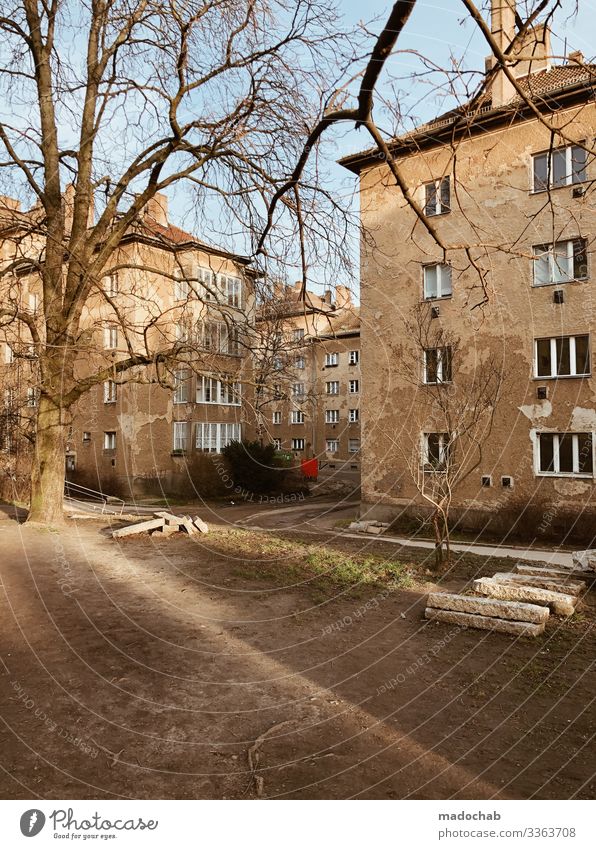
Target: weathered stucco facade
{"points": [[497, 207]]}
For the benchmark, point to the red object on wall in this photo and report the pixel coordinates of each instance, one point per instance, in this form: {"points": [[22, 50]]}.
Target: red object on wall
{"points": [[310, 468]]}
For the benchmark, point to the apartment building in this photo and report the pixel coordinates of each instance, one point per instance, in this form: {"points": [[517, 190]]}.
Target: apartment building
{"points": [[165, 290], [516, 311], [309, 360]]}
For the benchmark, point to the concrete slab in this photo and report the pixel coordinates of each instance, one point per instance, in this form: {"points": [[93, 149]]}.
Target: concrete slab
{"points": [[515, 610], [486, 623]]}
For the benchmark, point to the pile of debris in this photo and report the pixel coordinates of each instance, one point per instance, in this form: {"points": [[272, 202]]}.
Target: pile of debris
{"points": [[518, 602], [368, 527], [164, 525]]}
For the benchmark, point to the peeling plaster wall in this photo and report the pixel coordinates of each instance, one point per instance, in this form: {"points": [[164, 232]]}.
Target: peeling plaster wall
{"points": [[493, 173]]}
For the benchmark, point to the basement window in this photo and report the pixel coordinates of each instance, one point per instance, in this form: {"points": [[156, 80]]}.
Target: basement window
{"points": [[437, 197], [561, 167], [437, 281], [562, 356], [297, 445], [560, 262], [109, 440], [565, 454]]}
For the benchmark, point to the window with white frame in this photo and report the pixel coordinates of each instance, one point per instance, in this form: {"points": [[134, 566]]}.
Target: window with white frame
{"points": [[297, 390], [437, 365], [181, 286], [110, 392], [354, 358], [331, 416], [332, 359], [353, 446], [208, 334], [277, 443], [110, 284], [231, 288], [560, 167], [277, 417], [109, 440], [354, 386], [8, 397], [206, 283], [110, 337], [181, 381], [298, 445], [230, 340], [299, 362], [213, 437], [33, 302], [8, 354], [180, 440], [277, 392], [332, 446], [437, 197], [296, 417], [435, 451], [562, 356], [183, 333], [437, 281], [564, 454], [213, 390], [332, 387], [353, 415], [560, 262], [86, 436], [32, 396], [278, 363], [298, 334]]}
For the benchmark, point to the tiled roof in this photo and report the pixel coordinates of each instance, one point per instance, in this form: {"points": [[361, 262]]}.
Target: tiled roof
{"points": [[170, 233]]}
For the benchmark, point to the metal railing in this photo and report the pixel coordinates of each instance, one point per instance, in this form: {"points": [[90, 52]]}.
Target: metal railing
{"points": [[84, 495]]}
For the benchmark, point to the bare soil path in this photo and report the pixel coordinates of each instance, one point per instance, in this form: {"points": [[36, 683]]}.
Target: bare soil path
{"points": [[208, 668]]}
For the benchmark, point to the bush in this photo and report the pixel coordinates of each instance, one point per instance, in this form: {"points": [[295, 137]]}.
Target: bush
{"points": [[203, 479], [255, 468]]}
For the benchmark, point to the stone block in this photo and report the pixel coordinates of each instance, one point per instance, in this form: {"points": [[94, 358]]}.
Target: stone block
{"points": [[486, 623], [138, 528], [515, 610], [200, 525], [558, 602], [559, 585], [585, 559]]}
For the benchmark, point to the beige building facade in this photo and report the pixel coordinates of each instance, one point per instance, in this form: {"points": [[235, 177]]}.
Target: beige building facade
{"points": [[514, 315]]}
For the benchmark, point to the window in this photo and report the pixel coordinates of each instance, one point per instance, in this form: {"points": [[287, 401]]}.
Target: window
{"points": [[109, 440], [297, 445], [32, 396], [435, 449], [277, 417], [231, 288], [212, 390], [86, 436], [277, 363], [296, 417], [110, 285], [437, 281], [298, 334], [182, 332], [437, 365], [8, 354], [331, 416], [181, 386], [110, 337], [560, 167], [206, 281], [353, 415], [565, 454], [277, 393], [332, 387], [354, 358], [212, 437], [332, 446], [208, 335], [562, 356], [277, 444], [8, 397], [180, 443], [230, 341], [181, 287], [110, 392], [299, 362], [331, 359], [298, 390], [354, 386], [437, 197], [33, 302], [230, 392], [560, 262], [353, 446]]}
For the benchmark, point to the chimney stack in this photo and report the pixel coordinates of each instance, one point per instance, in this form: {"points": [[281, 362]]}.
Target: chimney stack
{"points": [[157, 209], [502, 26]]}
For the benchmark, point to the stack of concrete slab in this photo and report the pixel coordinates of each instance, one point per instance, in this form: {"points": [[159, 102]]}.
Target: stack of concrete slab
{"points": [[584, 560], [516, 602], [366, 526], [163, 525]]}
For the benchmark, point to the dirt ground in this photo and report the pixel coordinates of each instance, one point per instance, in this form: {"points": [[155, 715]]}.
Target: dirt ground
{"points": [[228, 666]]}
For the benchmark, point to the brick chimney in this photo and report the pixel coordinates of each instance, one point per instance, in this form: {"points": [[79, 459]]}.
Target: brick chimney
{"points": [[157, 209], [502, 26], [343, 297]]}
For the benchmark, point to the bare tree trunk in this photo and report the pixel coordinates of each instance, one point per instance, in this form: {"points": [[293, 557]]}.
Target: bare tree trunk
{"points": [[47, 478], [438, 542]]}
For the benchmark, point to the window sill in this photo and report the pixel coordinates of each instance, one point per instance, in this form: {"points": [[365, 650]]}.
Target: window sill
{"points": [[577, 475], [432, 298], [437, 382], [562, 377], [556, 188], [559, 282]]}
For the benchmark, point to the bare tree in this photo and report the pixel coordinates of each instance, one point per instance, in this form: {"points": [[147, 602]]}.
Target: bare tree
{"points": [[123, 103]]}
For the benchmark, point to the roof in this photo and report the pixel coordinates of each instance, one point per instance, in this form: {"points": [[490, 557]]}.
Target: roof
{"points": [[175, 237], [543, 87]]}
